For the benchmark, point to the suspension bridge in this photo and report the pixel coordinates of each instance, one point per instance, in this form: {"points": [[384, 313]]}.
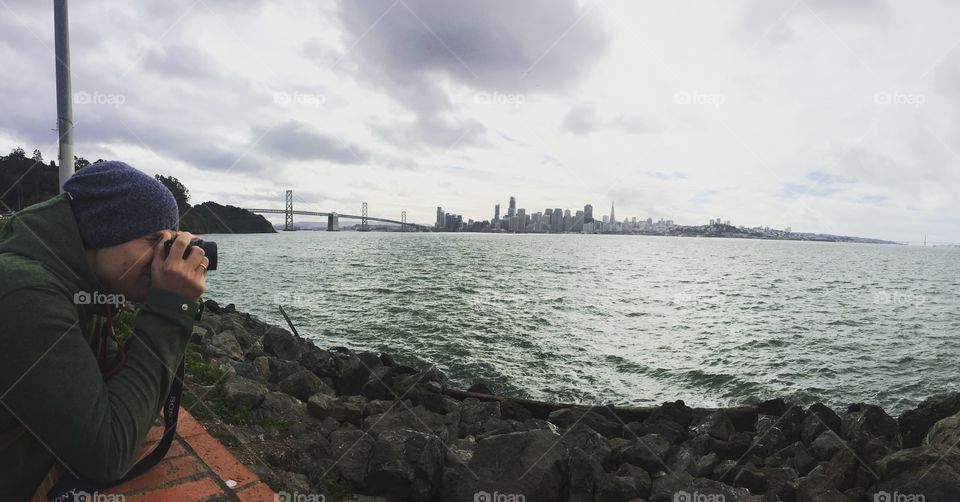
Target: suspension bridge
{"points": [[333, 218]]}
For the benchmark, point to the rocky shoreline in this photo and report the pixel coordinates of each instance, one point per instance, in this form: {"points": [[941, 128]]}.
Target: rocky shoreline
{"points": [[334, 424]]}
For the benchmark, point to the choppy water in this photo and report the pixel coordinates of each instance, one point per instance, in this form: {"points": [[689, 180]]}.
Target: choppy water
{"points": [[620, 319]]}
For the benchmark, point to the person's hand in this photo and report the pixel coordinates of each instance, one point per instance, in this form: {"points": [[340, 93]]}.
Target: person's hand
{"points": [[173, 273]]}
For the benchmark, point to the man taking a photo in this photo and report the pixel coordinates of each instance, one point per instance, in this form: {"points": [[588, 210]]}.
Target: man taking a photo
{"points": [[66, 266]]}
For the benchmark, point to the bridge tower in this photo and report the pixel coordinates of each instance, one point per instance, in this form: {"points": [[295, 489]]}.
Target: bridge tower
{"points": [[403, 221], [364, 223], [288, 213]]}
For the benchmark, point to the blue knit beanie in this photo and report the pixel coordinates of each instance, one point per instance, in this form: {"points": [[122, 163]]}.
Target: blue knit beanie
{"points": [[114, 203]]}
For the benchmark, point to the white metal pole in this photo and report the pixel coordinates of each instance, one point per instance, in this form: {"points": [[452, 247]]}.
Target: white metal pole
{"points": [[64, 93]]}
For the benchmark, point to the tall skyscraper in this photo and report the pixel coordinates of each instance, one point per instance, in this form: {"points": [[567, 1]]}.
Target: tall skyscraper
{"points": [[557, 220], [521, 220], [512, 209], [439, 217], [587, 213], [496, 211], [613, 218]]}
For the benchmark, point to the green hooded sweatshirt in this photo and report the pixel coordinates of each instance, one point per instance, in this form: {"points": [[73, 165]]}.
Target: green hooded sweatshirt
{"points": [[54, 404]]}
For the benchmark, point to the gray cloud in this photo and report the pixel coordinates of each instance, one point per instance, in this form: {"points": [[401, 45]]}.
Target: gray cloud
{"points": [[403, 47], [295, 140]]}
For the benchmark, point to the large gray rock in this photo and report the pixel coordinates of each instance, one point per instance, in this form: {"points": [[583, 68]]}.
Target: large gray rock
{"points": [[304, 384], [648, 452], [716, 424], [321, 362], [351, 451], [527, 463], [870, 432], [474, 415], [282, 407], [915, 423], [281, 343], [224, 344], [244, 392], [566, 417], [819, 419], [355, 371], [405, 464], [932, 469], [416, 418], [347, 409], [826, 444]]}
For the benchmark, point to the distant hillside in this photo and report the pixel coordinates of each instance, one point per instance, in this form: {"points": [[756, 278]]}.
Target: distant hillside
{"points": [[213, 218]]}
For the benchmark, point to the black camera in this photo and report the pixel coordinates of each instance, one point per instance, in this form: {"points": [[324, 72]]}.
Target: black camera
{"points": [[209, 250]]}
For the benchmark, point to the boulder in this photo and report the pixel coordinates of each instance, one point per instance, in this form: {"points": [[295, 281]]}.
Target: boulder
{"points": [[406, 465], [647, 452], [870, 432], [670, 421], [415, 418], [643, 481], [826, 444], [281, 343], [915, 423], [244, 392], [304, 384], [224, 344], [529, 463], [348, 409], [474, 415], [355, 371], [932, 469], [716, 424], [818, 419], [566, 417], [282, 407], [321, 362], [351, 451]]}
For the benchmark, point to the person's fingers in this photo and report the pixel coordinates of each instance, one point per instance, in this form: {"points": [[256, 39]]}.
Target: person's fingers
{"points": [[196, 255], [158, 252], [180, 244]]}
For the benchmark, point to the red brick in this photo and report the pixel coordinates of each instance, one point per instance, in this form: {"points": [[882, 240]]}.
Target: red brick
{"points": [[193, 490], [220, 460], [163, 473], [187, 425]]}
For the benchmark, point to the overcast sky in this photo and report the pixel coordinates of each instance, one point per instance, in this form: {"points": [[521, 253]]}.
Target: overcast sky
{"points": [[824, 116]]}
